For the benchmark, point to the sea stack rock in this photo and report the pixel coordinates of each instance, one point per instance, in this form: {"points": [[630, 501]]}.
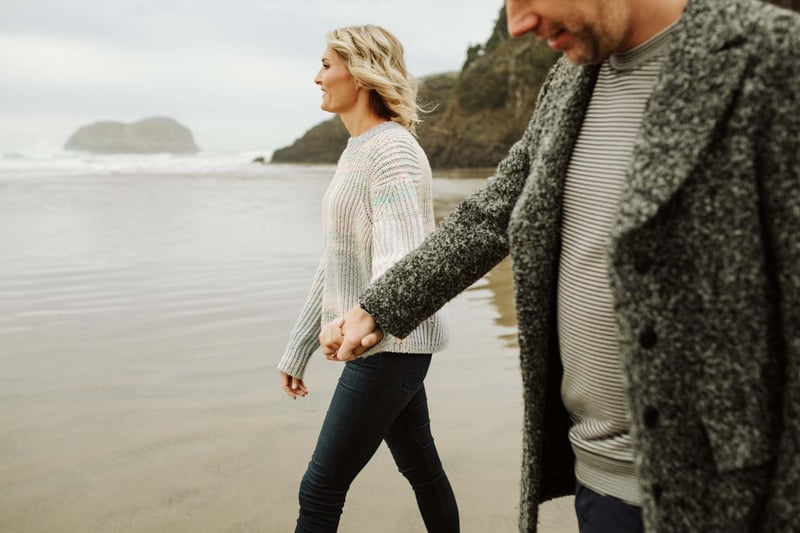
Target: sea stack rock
{"points": [[147, 136]]}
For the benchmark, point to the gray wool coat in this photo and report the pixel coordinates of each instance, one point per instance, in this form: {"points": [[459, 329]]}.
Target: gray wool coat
{"points": [[704, 265]]}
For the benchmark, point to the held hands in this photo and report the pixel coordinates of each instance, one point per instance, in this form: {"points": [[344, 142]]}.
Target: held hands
{"points": [[342, 339], [346, 338]]}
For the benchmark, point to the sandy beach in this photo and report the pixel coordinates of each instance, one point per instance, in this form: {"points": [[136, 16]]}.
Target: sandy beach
{"points": [[141, 317]]}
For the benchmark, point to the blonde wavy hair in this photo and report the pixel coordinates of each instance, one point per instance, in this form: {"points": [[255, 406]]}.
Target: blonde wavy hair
{"points": [[374, 58]]}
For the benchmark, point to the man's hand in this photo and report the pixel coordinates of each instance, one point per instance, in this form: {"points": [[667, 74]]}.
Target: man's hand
{"points": [[293, 386], [359, 333]]}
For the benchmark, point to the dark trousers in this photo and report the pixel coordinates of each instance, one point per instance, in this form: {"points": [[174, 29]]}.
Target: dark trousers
{"points": [[605, 514], [378, 398]]}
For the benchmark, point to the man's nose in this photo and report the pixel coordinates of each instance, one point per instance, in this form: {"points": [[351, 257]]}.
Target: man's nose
{"points": [[521, 23]]}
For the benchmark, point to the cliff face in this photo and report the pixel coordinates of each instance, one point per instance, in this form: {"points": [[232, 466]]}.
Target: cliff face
{"points": [[321, 144], [481, 110], [150, 135], [473, 117], [490, 103]]}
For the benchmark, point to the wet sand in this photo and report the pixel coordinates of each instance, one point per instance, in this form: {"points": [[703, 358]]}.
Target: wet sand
{"points": [[138, 341]]}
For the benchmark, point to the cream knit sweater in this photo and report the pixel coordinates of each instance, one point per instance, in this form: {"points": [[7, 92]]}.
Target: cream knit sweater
{"points": [[378, 207]]}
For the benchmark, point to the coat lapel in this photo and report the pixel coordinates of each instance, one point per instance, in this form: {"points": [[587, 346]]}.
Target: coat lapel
{"points": [[700, 79], [540, 203]]}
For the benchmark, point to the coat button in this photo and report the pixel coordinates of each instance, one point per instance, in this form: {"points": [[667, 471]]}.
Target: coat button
{"points": [[650, 417], [648, 338], [658, 491]]}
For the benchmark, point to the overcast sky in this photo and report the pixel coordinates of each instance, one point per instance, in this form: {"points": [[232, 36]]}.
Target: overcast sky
{"points": [[238, 73]]}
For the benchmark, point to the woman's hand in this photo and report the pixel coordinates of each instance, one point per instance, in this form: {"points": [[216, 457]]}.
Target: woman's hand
{"points": [[293, 386], [330, 338]]}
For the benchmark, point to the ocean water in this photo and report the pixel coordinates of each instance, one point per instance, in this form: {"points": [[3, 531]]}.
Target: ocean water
{"points": [[43, 159], [144, 302]]}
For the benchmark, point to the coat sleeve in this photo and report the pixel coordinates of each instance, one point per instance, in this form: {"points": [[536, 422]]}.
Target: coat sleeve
{"points": [[468, 243], [779, 180]]}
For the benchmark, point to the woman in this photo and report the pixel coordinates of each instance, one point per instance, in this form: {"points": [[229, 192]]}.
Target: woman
{"points": [[377, 208]]}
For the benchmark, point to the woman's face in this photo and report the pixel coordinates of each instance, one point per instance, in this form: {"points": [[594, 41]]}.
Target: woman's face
{"points": [[339, 88]]}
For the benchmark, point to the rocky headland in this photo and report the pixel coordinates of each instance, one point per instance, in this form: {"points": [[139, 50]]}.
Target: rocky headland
{"points": [[146, 136]]}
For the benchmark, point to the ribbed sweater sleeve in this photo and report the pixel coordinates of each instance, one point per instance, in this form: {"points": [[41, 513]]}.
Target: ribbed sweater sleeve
{"points": [[470, 241], [304, 338], [397, 203], [397, 226]]}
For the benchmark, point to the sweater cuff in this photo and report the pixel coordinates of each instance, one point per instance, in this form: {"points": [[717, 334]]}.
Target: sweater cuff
{"points": [[364, 308]]}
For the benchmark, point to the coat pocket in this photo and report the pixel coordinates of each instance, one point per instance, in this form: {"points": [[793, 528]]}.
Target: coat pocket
{"points": [[739, 432]]}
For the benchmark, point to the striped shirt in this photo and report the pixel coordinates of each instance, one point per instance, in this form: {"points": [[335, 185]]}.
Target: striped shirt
{"points": [[593, 388], [378, 207]]}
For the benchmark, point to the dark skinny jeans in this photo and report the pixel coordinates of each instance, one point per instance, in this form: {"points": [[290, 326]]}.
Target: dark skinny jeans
{"points": [[381, 397]]}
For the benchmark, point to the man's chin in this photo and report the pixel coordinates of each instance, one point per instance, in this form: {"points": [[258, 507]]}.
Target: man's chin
{"points": [[585, 50], [580, 57]]}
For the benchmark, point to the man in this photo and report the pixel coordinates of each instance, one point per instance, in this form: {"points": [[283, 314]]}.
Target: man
{"points": [[651, 210]]}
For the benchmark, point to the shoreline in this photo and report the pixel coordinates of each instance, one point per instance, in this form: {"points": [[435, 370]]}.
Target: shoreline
{"points": [[143, 320]]}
